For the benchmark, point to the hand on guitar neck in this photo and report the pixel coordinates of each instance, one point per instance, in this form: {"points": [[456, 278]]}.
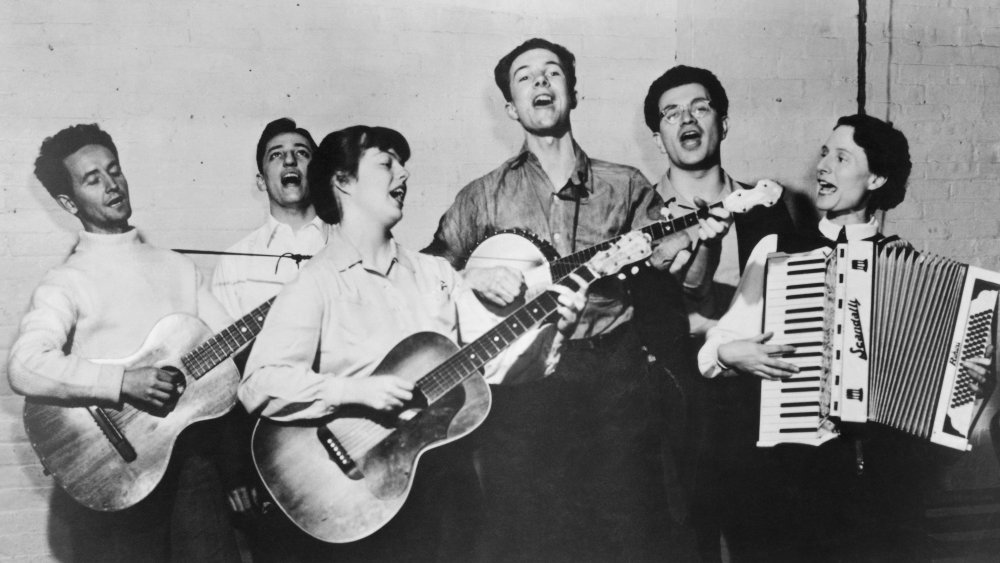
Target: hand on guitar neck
{"points": [[342, 477], [675, 251], [511, 266], [151, 388]]}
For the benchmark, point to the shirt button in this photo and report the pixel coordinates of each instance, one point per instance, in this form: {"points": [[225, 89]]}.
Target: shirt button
{"points": [[556, 237]]}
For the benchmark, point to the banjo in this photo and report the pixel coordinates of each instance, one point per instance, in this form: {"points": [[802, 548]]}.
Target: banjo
{"points": [[542, 266]]}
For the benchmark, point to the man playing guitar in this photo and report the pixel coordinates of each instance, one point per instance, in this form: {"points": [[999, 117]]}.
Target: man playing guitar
{"points": [[101, 303]]}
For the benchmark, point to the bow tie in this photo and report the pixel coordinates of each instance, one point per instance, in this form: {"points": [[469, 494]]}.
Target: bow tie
{"points": [[842, 236]]}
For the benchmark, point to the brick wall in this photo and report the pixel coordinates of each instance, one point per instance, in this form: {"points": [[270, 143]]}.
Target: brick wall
{"points": [[185, 88], [938, 72]]}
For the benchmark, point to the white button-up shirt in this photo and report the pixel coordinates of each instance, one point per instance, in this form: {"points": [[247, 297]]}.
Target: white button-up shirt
{"points": [[340, 317], [242, 283]]}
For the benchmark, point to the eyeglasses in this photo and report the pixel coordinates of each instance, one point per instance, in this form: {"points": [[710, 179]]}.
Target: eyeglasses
{"points": [[698, 110]]}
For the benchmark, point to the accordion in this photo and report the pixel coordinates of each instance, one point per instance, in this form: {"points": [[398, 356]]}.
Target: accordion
{"points": [[880, 333]]}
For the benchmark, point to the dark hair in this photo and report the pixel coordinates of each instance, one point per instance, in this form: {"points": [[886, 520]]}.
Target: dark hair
{"points": [[339, 155], [501, 73], [888, 154], [679, 76], [275, 128], [49, 167]]}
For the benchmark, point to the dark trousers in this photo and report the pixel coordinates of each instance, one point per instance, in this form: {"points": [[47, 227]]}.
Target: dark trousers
{"points": [[571, 466], [184, 519], [795, 503]]}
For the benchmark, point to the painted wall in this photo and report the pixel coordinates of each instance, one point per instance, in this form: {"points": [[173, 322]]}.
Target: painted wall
{"points": [[185, 88]]}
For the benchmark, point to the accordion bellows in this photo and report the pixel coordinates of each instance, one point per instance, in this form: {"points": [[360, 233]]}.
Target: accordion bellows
{"points": [[880, 332]]}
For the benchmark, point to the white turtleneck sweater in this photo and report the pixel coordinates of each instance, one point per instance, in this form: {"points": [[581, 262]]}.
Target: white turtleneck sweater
{"points": [[100, 304]]}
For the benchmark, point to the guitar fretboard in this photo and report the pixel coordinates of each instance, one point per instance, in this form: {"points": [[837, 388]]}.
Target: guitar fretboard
{"points": [[470, 359], [221, 346], [563, 266]]}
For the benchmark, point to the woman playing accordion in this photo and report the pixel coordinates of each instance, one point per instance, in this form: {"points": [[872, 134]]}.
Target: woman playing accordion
{"points": [[856, 495]]}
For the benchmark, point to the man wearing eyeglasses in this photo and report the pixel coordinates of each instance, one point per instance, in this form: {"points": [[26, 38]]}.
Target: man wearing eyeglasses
{"points": [[688, 112]]}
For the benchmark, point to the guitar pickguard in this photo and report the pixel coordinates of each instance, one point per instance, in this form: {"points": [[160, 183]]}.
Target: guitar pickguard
{"points": [[388, 467]]}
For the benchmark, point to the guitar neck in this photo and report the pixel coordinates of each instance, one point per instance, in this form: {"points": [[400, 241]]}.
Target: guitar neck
{"points": [[469, 360], [221, 346], [563, 266]]}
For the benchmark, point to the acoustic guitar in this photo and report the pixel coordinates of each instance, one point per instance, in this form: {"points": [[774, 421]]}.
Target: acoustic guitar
{"points": [[110, 458], [541, 264], [343, 477]]}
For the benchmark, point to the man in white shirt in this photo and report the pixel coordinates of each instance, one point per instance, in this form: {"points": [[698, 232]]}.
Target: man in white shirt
{"points": [[292, 229], [259, 265]]}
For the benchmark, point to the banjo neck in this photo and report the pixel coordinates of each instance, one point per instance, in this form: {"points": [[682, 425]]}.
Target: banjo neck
{"points": [[561, 267]]}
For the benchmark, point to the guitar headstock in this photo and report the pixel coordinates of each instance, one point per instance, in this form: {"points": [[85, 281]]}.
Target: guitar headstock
{"points": [[632, 247], [766, 193]]}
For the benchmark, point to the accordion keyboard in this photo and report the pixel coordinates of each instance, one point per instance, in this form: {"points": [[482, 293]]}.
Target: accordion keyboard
{"points": [[793, 311]]}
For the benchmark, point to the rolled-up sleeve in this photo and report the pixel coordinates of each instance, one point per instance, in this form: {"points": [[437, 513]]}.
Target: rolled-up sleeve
{"points": [[648, 202], [459, 230]]}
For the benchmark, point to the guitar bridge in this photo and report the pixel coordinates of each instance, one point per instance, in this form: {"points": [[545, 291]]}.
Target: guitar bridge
{"points": [[337, 453]]}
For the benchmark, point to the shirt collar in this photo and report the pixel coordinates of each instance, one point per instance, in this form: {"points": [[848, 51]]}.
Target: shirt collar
{"points": [[668, 191], [273, 226], [858, 231], [345, 255], [581, 172]]}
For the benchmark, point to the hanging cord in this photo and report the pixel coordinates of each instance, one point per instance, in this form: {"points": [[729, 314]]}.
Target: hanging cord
{"points": [[888, 70], [862, 53], [298, 258]]}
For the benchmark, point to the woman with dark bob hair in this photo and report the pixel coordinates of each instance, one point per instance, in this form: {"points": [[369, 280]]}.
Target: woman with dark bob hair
{"points": [[856, 496], [330, 328]]}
